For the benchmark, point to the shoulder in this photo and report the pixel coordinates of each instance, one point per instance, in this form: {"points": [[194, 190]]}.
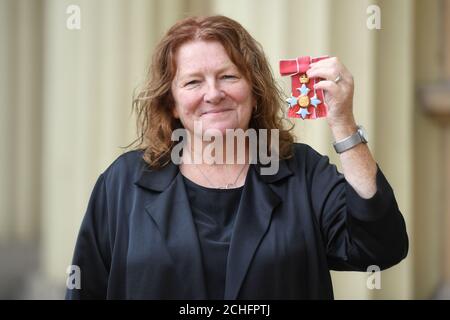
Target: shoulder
{"points": [[302, 149], [310, 164], [125, 168], [126, 160], [305, 155]]}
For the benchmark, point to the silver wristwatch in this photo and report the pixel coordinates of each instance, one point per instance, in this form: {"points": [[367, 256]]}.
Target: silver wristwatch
{"points": [[345, 144]]}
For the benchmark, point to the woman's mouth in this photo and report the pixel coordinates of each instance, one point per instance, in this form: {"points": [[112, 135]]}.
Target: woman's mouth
{"points": [[215, 111]]}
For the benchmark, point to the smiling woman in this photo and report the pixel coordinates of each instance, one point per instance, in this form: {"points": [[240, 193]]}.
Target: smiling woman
{"points": [[156, 229], [182, 59], [208, 87]]}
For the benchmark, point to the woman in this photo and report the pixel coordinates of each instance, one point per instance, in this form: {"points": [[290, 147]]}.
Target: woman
{"points": [[156, 229]]}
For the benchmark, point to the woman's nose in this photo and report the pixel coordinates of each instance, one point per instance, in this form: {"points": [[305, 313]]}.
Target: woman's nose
{"points": [[213, 94]]}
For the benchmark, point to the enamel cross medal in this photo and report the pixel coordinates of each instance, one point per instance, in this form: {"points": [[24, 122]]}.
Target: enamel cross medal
{"points": [[305, 101]]}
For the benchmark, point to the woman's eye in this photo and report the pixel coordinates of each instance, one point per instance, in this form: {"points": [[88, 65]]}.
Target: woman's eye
{"points": [[192, 82], [229, 76]]}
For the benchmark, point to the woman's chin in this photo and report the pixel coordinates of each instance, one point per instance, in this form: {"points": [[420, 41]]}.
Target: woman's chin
{"points": [[215, 130], [218, 128]]}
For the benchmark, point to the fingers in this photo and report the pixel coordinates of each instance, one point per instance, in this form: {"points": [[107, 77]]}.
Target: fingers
{"points": [[326, 62], [328, 86], [329, 69], [322, 72]]}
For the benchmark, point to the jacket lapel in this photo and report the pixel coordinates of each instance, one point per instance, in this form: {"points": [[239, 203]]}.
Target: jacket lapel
{"points": [[171, 213], [252, 221]]}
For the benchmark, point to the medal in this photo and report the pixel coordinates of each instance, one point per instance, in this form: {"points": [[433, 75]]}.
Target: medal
{"points": [[305, 101]]}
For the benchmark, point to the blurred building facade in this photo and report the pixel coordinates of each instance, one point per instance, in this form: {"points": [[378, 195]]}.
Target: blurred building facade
{"points": [[65, 103]]}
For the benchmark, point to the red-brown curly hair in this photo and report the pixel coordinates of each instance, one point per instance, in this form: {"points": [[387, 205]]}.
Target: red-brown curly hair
{"points": [[154, 103]]}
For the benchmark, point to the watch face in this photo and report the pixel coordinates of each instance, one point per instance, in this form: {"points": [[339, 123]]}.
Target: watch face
{"points": [[362, 134]]}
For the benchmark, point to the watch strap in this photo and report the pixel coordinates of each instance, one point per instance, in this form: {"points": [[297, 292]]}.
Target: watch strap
{"points": [[349, 142]]}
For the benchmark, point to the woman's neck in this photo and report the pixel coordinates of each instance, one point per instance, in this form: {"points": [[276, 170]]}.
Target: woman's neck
{"points": [[216, 153]]}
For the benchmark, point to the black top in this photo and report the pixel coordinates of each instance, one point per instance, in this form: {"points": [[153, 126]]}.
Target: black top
{"points": [[138, 239], [214, 212]]}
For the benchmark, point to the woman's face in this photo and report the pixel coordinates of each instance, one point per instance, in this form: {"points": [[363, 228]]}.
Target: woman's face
{"points": [[209, 88]]}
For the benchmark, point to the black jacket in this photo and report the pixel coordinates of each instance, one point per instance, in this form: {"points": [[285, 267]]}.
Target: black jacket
{"points": [[138, 239]]}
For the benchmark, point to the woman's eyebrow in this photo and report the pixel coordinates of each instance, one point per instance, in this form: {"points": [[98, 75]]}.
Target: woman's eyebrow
{"points": [[226, 68]]}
